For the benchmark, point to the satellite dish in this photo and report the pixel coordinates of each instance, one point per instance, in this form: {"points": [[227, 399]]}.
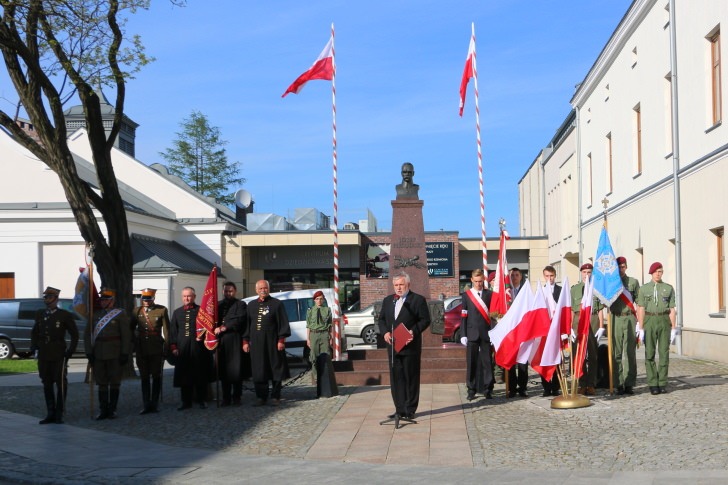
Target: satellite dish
{"points": [[159, 168], [243, 199]]}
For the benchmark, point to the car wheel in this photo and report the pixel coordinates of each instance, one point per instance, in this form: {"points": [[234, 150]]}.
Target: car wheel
{"points": [[456, 336], [6, 349], [369, 335]]}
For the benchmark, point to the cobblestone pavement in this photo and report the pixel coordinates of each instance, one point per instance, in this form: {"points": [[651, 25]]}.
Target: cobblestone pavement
{"points": [[678, 437]]}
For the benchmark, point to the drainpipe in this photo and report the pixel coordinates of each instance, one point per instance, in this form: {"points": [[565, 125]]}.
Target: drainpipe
{"points": [[675, 178], [578, 176]]}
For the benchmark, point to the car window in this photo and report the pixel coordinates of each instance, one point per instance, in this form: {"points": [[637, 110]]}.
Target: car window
{"points": [[8, 310], [291, 307], [28, 309]]}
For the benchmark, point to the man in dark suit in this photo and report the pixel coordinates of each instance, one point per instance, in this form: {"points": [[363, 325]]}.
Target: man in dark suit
{"points": [[410, 309], [475, 322], [551, 388]]}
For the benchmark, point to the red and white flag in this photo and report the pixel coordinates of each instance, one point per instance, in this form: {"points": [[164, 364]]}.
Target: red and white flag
{"points": [[548, 353], [207, 315], [537, 322], [584, 327], [323, 69], [468, 72], [501, 283], [626, 297]]}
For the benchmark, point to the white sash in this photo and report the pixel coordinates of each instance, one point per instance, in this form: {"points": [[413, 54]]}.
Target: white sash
{"points": [[103, 322]]}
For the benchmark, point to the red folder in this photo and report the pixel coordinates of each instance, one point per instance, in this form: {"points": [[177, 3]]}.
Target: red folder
{"points": [[401, 337]]}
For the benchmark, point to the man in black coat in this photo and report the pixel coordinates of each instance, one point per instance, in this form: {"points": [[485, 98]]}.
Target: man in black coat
{"points": [[265, 338], [193, 369], [475, 325], [233, 365], [551, 388], [410, 309]]}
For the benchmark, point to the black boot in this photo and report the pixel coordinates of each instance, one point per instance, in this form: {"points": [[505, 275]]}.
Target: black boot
{"points": [[145, 396], [113, 402], [103, 403], [156, 390], [60, 401], [50, 400]]}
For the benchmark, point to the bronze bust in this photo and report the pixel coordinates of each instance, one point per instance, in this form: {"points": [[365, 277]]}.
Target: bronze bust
{"points": [[407, 189]]}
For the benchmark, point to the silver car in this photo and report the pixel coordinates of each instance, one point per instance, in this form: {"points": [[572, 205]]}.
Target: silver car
{"points": [[361, 324]]}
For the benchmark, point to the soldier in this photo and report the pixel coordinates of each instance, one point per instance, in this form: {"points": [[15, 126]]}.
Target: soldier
{"points": [[232, 364], [318, 329], [656, 317], [588, 380], [48, 338], [265, 338], [193, 370], [108, 343], [624, 344], [151, 328]]}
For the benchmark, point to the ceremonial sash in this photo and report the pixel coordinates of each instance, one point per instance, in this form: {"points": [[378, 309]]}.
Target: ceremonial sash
{"points": [[479, 304], [103, 322], [626, 297]]}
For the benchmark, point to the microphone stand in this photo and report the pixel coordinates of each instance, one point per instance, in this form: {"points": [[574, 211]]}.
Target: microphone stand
{"points": [[396, 417]]}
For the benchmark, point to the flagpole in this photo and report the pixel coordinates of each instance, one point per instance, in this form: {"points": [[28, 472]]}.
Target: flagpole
{"points": [[90, 312], [480, 154], [336, 319], [610, 318]]}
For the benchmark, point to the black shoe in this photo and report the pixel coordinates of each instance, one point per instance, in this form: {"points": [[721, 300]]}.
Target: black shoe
{"points": [[555, 392], [522, 393], [258, 402], [471, 396], [628, 390], [512, 394], [392, 416], [654, 390], [184, 406], [203, 405], [662, 390], [489, 395], [620, 390], [103, 415], [225, 403], [48, 419], [546, 393]]}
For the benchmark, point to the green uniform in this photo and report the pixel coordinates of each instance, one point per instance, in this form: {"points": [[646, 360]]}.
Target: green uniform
{"points": [[48, 337], [318, 323], [108, 350], [657, 299], [151, 326], [589, 376], [624, 340]]}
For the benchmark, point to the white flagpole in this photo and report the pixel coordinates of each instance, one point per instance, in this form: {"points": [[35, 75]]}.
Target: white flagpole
{"points": [[336, 322], [480, 155]]}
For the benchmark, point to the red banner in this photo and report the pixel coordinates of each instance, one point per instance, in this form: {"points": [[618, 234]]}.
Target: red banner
{"points": [[207, 316]]}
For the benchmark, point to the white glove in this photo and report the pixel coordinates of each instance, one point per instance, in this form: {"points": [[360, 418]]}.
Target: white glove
{"points": [[673, 333], [464, 340], [564, 336], [573, 335], [599, 333], [641, 335]]}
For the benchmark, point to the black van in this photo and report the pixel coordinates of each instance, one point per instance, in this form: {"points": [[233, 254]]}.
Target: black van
{"points": [[17, 317]]}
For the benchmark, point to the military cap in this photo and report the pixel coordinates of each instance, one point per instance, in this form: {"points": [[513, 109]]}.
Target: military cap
{"points": [[655, 266], [621, 260], [317, 294], [148, 293], [586, 266], [107, 293], [491, 276], [52, 291]]}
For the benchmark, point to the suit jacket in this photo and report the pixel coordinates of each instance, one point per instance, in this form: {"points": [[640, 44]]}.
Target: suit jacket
{"points": [[474, 326], [414, 314], [557, 292]]}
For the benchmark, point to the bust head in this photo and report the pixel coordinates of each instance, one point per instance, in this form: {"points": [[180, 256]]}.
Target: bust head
{"points": [[408, 172]]}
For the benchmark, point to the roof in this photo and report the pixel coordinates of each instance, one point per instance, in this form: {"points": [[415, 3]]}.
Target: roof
{"points": [[150, 254]]}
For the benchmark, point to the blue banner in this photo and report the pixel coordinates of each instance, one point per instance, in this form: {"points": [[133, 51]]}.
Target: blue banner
{"points": [[607, 283]]}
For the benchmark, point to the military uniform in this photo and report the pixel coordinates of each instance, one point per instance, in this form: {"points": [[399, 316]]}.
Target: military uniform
{"points": [[588, 378], [151, 327], [318, 323], [657, 300], [48, 338], [624, 341], [233, 365], [108, 344]]}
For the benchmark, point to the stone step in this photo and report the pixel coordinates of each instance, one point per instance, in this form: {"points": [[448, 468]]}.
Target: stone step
{"points": [[381, 378], [383, 364], [446, 351]]}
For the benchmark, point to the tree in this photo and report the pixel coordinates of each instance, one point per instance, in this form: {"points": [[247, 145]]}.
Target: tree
{"points": [[198, 157], [55, 50]]}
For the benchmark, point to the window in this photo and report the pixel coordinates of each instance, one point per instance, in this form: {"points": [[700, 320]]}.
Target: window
{"points": [[638, 139], [610, 171], [715, 76], [721, 269]]}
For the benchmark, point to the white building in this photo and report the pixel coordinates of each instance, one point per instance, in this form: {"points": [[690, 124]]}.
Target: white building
{"points": [[628, 151]]}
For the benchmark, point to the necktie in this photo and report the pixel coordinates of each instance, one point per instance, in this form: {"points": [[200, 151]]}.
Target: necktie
{"points": [[318, 315], [479, 295], [398, 307]]}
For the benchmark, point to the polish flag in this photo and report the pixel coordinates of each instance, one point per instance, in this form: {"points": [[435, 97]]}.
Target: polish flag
{"points": [[468, 72], [323, 69], [584, 327], [501, 283], [530, 345], [548, 353], [626, 297]]}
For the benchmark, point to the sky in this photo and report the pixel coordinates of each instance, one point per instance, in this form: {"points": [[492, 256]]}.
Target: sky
{"points": [[399, 66]]}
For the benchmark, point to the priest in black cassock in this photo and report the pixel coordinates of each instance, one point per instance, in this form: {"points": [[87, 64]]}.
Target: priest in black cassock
{"points": [[265, 338]]}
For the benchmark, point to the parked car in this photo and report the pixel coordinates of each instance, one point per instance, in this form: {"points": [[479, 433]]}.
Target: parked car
{"points": [[361, 324], [296, 303], [452, 323], [451, 302], [17, 317]]}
